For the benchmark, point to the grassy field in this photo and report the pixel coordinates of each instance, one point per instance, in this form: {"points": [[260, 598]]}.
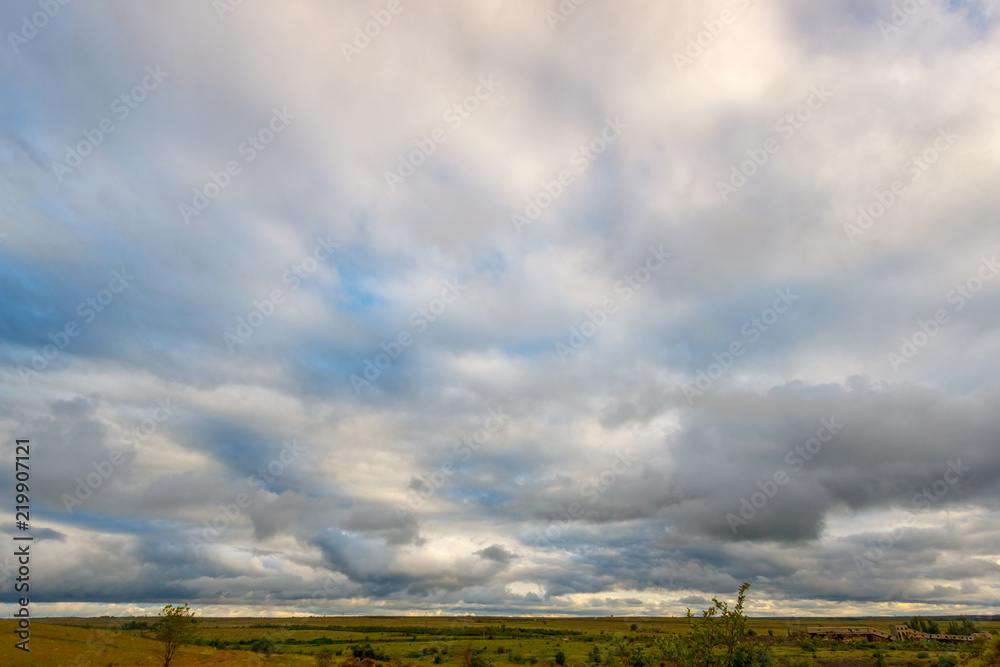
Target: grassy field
{"points": [[428, 641]]}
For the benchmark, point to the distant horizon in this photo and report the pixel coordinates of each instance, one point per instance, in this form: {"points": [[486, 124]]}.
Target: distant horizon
{"points": [[751, 616], [525, 309]]}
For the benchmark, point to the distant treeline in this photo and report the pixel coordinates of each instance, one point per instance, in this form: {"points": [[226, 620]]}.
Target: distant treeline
{"points": [[486, 631]]}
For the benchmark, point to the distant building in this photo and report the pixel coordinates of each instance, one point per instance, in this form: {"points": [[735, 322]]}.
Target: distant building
{"points": [[903, 633], [849, 633]]}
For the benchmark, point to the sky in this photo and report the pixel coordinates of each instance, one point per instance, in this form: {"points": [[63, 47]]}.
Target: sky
{"points": [[521, 308]]}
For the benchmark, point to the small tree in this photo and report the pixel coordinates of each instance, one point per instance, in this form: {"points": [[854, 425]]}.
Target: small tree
{"points": [[177, 626], [471, 658], [324, 658], [629, 654], [263, 645], [921, 624], [560, 658], [962, 627], [734, 623], [716, 638]]}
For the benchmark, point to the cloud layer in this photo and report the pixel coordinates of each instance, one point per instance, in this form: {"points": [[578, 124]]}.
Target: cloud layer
{"points": [[504, 307]]}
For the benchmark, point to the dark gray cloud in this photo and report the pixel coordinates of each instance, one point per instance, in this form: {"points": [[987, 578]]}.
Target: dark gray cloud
{"points": [[497, 554]]}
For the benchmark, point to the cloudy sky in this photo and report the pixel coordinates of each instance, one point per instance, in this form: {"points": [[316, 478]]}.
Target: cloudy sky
{"points": [[502, 307]]}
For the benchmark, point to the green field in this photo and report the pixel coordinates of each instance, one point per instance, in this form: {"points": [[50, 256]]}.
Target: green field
{"points": [[427, 641]]}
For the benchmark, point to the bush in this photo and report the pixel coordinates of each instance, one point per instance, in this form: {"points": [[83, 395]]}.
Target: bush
{"points": [[961, 627], [324, 659], [366, 651], [265, 646], [946, 660], [923, 655], [471, 658], [749, 654], [921, 624], [560, 658]]}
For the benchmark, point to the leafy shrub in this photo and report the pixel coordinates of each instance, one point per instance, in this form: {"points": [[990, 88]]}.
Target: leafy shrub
{"points": [[923, 655], [135, 625], [961, 627], [263, 645], [808, 644], [560, 658], [361, 652], [749, 654], [324, 659], [921, 624]]}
